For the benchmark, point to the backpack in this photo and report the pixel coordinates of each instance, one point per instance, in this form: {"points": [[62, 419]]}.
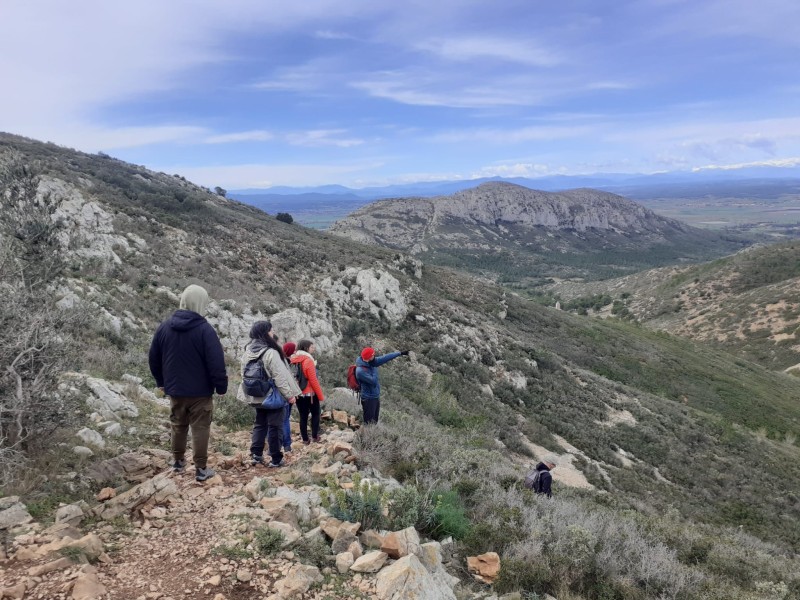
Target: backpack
{"points": [[297, 371], [352, 381], [533, 480], [255, 380]]}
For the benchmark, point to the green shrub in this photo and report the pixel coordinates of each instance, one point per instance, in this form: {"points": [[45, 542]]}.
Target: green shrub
{"points": [[363, 504], [231, 413], [450, 517], [268, 541], [312, 551]]}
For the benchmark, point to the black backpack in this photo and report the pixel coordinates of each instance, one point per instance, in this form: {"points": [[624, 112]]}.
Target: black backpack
{"points": [[297, 371], [255, 380]]}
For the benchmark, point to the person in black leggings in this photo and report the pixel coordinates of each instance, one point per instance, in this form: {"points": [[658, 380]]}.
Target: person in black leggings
{"points": [[309, 401]]}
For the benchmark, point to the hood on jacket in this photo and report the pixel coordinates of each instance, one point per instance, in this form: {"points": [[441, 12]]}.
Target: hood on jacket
{"points": [[302, 355], [184, 320], [194, 298], [542, 467], [254, 348], [360, 362]]}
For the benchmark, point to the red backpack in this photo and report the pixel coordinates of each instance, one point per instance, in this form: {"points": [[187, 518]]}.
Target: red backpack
{"points": [[352, 382]]}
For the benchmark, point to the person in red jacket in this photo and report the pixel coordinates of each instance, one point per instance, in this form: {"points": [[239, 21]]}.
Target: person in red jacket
{"points": [[311, 398]]}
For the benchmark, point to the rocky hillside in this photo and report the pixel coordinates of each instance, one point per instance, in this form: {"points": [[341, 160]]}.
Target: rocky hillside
{"points": [[502, 229], [747, 303], [494, 382]]}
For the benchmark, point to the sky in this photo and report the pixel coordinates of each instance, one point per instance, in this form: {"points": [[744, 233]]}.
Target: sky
{"points": [[256, 93]]}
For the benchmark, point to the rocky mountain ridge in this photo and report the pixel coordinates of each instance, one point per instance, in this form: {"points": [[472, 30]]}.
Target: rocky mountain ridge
{"points": [[528, 226]]}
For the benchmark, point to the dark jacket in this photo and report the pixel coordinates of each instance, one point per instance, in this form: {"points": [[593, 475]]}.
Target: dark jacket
{"points": [[186, 357], [545, 480], [367, 374]]}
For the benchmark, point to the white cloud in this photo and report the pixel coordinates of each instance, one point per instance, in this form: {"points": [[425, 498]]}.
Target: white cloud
{"points": [[254, 135], [472, 48], [322, 137], [780, 162], [512, 136]]}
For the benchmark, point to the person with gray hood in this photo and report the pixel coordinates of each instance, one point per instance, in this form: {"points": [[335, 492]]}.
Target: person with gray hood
{"points": [[188, 364], [268, 424]]}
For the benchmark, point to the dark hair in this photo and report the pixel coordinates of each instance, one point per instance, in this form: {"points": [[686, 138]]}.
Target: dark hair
{"points": [[260, 332], [304, 345]]}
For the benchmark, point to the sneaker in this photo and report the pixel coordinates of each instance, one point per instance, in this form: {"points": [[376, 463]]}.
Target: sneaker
{"points": [[287, 450], [179, 466], [203, 474], [255, 459], [275, 465]]}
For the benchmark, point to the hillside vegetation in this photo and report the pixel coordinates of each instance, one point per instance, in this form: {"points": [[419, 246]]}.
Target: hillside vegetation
{"points": [[658, 438], [746, 303]]}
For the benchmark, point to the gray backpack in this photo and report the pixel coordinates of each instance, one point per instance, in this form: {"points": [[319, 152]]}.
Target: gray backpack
{"points": [[533, 479]]}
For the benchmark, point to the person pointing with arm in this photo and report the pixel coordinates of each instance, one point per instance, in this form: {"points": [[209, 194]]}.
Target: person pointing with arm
{"points": [[367, 375]]}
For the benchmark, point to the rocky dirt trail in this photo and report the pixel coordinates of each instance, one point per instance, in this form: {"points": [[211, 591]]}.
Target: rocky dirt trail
{"points": [[249, 532]]}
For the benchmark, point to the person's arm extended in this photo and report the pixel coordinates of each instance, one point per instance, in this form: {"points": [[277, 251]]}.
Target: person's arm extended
{"points": [[381, 360]]}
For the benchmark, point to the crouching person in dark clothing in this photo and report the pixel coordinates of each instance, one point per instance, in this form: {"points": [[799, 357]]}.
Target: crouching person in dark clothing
{"points": [[188, 364], [545, 480]]}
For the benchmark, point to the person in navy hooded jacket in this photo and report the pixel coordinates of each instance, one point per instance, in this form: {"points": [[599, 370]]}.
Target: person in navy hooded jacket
{"points": [[367, 375], [188, 364]]}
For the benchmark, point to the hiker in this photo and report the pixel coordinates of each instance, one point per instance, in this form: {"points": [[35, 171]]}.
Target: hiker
{"points": [[288, 350], [367, 375], [540, 480], [188, 364], [268, 424], [309, 401]]}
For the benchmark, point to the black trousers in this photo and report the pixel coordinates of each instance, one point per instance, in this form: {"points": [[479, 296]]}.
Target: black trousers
{"points": [[268, 425], [371, 408], [308, 406]]}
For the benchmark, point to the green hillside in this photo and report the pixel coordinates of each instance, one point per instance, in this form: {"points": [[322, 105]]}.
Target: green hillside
{"points": [[689, 455]]}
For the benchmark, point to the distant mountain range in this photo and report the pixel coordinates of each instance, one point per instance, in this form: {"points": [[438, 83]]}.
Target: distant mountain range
{"points": [[319, 206], [507, 230]]}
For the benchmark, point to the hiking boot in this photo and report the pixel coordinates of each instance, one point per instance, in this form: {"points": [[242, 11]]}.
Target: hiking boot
{"points": [[179, 466], [275, 465], [203, 474], [316, 439], [306, 442], [255, 459], [287, 450]]}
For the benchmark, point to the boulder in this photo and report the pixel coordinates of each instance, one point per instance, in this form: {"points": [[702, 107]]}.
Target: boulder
{"points": [[355, 549], [109, 399], [83, 451], [113, 429], [91, 437], [340, 416], [90, 546], [430, 555], [13, 513], [88, 587], [252, 490], [55, 565], [304, 500], [290, 533], [342, 541], [297, 581], [16, 592], [408, 579], [371, 539], [71, 514], [371, 562], [105, 494], [484, 567], [134, 467], [330, 526], [158, 490], [401, 543], [344, 560]]}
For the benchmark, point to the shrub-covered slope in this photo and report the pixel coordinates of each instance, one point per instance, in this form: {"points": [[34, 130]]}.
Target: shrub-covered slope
{"points": [[747, 303], [646, 425]]}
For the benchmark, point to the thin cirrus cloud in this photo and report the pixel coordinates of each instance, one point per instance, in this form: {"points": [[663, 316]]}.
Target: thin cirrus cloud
{"points": [[255, 135], [475, 48]]}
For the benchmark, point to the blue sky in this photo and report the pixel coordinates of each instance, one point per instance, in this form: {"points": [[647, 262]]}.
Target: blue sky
{"points": [[253, 93]]}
